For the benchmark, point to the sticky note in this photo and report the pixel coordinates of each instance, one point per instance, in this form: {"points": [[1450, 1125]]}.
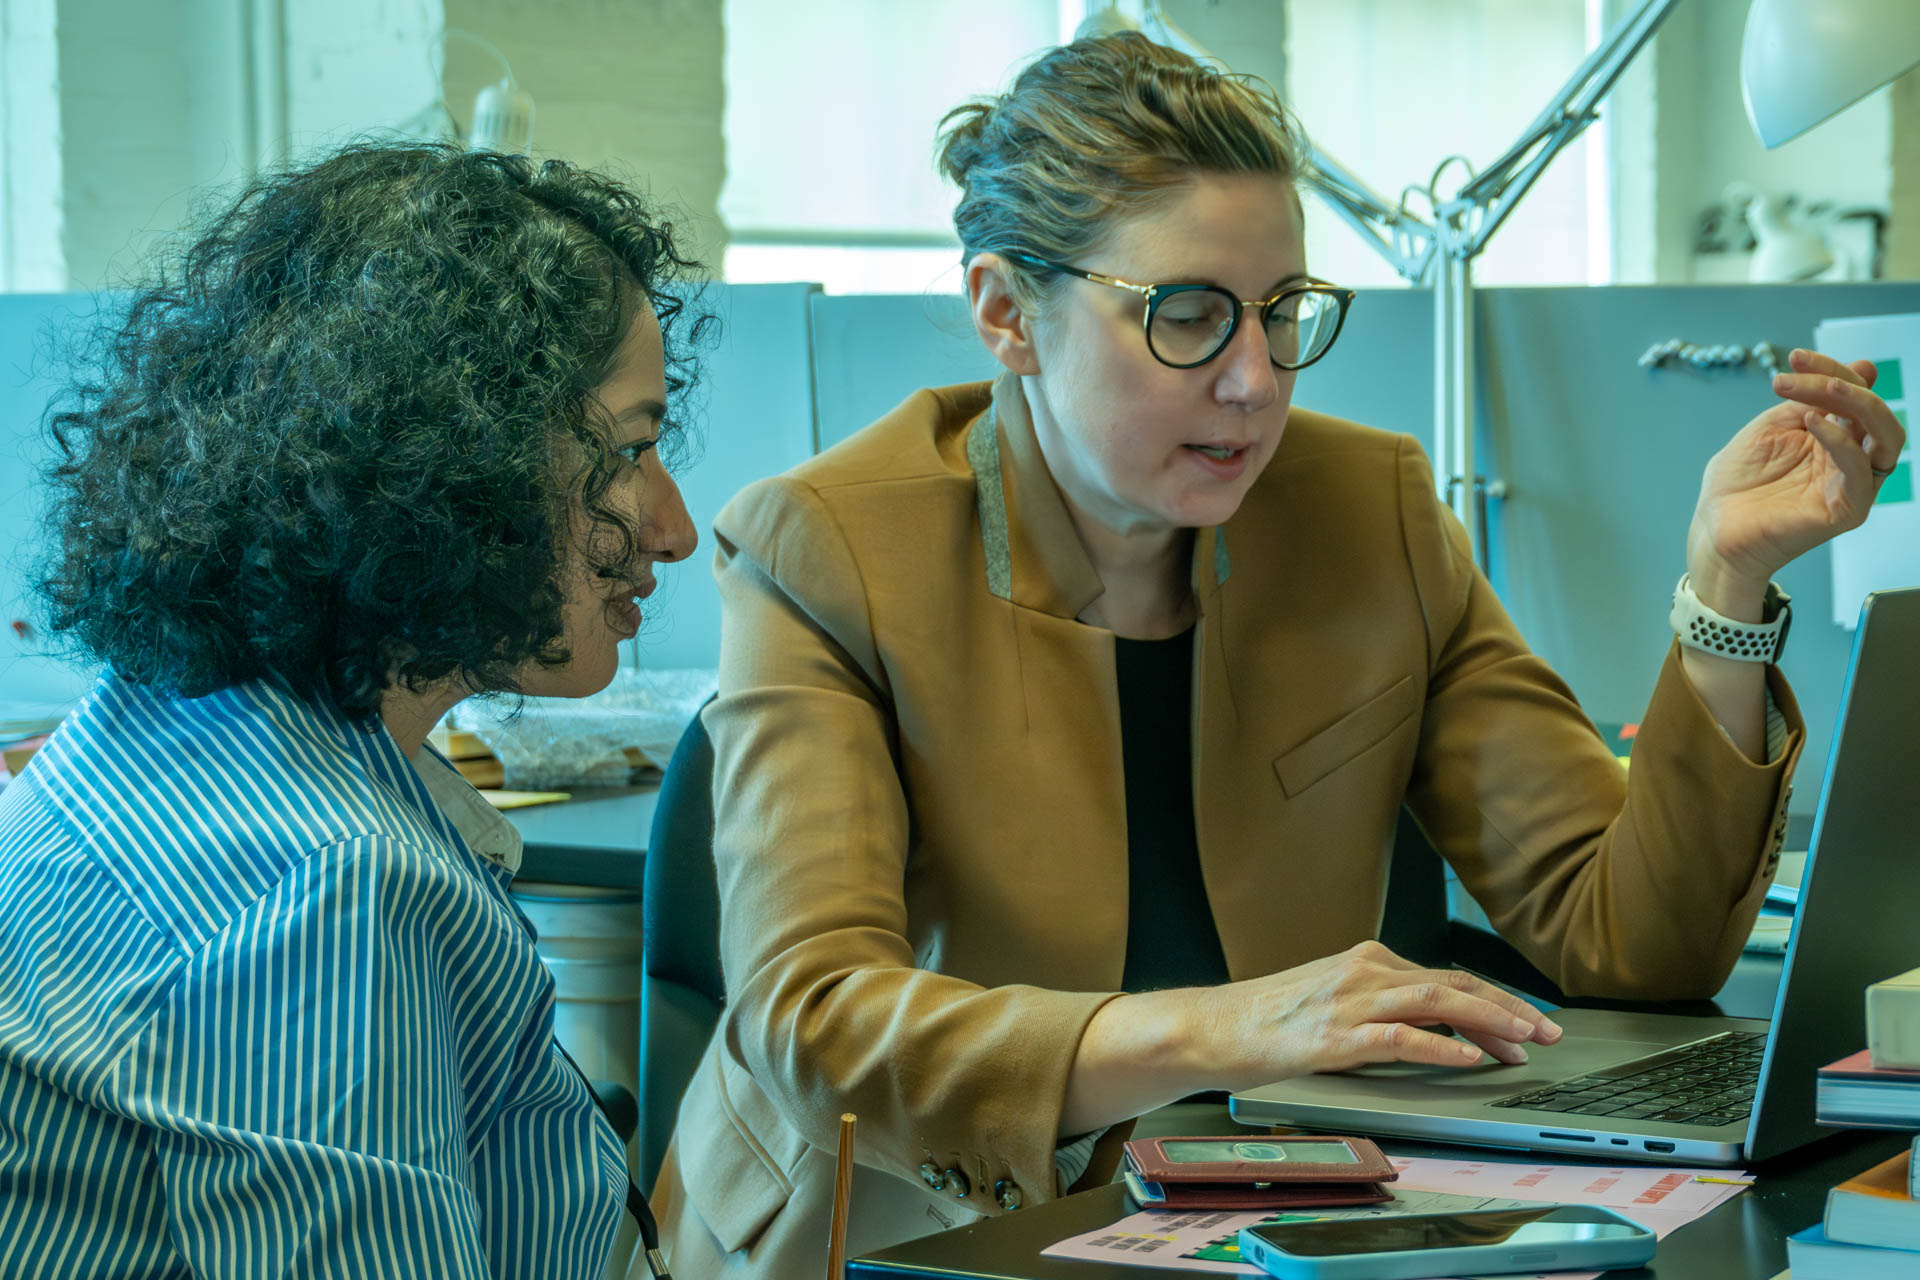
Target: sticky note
{"points": [[1897, 487], [1889, 385]]}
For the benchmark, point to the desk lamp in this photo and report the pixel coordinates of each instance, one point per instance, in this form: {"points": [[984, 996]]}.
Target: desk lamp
{"points": [[502, 111], [1783, 248], [1802, 61]]}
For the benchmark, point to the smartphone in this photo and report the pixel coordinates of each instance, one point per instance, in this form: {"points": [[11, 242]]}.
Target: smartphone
{"points": [[1552, 1237]]}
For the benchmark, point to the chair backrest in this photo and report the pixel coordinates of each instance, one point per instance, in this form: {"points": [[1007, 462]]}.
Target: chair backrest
{"points": [[681, 991], [1414, 921]]}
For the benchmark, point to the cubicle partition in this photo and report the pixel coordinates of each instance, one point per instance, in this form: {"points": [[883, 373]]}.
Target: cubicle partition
{"points": [[1604, 458], [750, 416], [1601, 458], [35, 333]]}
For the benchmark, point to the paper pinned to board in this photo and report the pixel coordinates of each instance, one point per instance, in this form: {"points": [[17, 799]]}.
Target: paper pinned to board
{"points": [[1885, 551], [1661, 1199]]}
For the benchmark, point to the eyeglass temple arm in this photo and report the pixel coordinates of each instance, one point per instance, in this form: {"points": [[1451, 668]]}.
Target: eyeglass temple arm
{"points": [[1144, 290]]}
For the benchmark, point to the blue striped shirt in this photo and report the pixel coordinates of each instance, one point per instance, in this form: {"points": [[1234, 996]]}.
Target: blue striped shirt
{"points": [[263, 1012]]}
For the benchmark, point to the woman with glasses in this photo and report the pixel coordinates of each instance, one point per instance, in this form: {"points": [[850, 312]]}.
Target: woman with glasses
{"points": [[384, 436], [1065, 721]]}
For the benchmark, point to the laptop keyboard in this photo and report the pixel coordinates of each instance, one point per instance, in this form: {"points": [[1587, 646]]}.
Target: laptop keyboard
{"points": [[1709, 1082]]}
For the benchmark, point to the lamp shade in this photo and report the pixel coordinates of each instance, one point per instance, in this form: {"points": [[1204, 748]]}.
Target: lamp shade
{"points": [[1805, 60]]}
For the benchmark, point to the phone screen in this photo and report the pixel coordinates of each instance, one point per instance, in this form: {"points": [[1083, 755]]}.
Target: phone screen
{"points": [[1544, 1227], [1334, 1152]]}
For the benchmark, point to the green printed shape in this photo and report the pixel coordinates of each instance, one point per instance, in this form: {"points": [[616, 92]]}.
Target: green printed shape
{"points": [[1901, 414], [1889, 385], [1897, 487]]}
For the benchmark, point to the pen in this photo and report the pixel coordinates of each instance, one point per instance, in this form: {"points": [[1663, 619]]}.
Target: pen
{"points": [[1728, 1182]]}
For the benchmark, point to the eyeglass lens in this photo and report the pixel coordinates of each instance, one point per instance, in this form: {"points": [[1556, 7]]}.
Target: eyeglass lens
{"points": [[1191, 326]]}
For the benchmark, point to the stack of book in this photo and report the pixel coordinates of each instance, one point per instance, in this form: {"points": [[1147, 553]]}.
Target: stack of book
{"points": [[485, 771], [1872, 1224], [469, 755]]}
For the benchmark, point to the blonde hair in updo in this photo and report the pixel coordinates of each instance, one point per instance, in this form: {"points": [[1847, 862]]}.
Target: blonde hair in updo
{"points": [[1096, 130]]}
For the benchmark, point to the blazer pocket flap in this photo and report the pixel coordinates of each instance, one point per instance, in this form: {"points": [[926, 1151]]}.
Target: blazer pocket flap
{"points": [[1300, 767], [736, 1170]]}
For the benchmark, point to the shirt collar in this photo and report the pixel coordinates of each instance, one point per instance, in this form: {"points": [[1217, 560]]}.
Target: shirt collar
{"points": [[487, 833]]}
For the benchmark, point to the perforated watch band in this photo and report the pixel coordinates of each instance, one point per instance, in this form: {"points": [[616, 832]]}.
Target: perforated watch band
{"points": [[1701, 628]]}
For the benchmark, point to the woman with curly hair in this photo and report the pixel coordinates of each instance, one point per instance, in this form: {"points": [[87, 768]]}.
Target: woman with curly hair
{"points": [[386, 435]]}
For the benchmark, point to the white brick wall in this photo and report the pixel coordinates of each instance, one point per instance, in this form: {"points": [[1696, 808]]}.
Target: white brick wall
{"points": [[634, 87], [355, 67]]}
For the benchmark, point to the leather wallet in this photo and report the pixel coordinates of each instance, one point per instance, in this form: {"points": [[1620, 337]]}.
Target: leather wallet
{"points": [[1259, 1173]]}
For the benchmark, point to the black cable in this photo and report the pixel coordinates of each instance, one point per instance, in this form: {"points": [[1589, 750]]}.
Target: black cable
{"points": [[636, 1202]]}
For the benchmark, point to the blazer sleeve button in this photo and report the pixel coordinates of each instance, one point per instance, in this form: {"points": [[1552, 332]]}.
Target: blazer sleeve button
{"points": [[957, 1185], [1008, 1194], [931, 1175]]}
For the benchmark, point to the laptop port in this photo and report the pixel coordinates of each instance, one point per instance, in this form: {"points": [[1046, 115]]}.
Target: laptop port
{"points": [[1658, 1146], [1572, 1137]]}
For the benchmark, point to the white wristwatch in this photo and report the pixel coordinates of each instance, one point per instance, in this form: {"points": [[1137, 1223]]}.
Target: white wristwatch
{"points": [[1701, 628]]}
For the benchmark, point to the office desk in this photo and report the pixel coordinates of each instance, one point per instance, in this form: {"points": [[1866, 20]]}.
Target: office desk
{"points": [[1744, 1239], [598, 838]]}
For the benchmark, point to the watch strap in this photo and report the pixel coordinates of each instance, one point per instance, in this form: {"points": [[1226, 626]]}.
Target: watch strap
{"points": [[1699, 627]]}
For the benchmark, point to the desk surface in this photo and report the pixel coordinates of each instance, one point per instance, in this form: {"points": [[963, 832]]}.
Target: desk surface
{"points": [[597, 838], [1744, 1239]]}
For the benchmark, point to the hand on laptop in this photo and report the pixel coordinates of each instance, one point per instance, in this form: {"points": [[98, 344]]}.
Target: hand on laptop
{"points": [[1365, 1005]]}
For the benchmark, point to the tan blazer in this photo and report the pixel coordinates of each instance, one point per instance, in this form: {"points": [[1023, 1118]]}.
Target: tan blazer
{"points": [[921, 824]]}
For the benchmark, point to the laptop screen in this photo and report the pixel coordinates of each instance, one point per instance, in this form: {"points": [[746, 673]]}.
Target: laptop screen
{"points": [[1858, 919]]}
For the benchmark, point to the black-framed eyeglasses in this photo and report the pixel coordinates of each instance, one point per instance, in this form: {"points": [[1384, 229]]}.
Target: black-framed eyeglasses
{"points": [[1189, 324]]}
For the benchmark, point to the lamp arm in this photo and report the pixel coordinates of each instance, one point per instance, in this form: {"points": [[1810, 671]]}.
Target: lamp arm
{"points": [[1575, 106], [1153, 21], [1514, 187], [1395, 234]]}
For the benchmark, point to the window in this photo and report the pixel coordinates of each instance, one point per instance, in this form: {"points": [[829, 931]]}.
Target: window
{"points": [[837, 184], [1390, 88]]}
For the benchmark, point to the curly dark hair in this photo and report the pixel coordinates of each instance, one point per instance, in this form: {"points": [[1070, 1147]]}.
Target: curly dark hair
{"points": [[326, 441]]}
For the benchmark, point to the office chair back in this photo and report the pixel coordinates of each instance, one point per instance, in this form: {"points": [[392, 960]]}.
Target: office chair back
{"points": [[681, 990]]}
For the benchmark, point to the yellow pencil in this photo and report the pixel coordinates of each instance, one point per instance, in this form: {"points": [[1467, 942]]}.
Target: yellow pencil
{"points": [[1728, 1182], [842, 1203]]}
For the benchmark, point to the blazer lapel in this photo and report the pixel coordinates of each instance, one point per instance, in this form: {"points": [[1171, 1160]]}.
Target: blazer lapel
{"points": [[1033, 553]]}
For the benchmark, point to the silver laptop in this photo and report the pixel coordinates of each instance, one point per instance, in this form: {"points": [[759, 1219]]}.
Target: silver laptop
{"points": [[1689, 1090]]}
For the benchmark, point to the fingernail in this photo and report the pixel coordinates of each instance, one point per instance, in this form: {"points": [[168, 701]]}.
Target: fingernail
{"points": [[1551, 1028], [1834, 385], [1521, 1030], [1519, 1055], [1468, 1053]]}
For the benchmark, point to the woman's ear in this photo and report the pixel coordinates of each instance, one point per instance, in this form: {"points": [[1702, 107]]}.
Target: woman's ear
{"points": [[997, 316]]}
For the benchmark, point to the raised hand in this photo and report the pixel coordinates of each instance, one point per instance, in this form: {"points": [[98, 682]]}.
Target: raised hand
{"points": [[1803, 471]]}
